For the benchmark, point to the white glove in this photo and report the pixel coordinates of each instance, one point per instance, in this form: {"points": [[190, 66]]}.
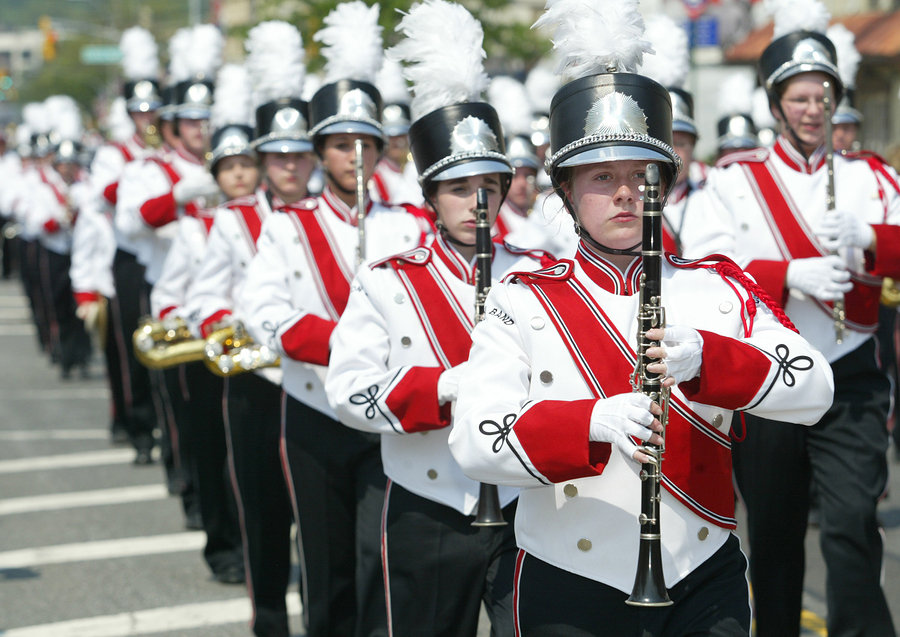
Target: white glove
{"points": [[683, 352], [841, 228], [193, 187], [448, 383], [88, 312], [616, 418], [825, 278]]}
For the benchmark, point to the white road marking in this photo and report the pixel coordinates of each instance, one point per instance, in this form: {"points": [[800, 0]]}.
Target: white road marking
{"points": [[13, 301], [154, 620], [25, 329], [103, 550], [54, 434], [70, 460], [14, 313], [57, 501], [70, 393]]}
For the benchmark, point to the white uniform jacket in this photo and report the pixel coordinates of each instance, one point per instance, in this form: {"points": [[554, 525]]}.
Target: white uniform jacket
{"points": [[106, 170], [523, 412], [509, 220], [409, 318], [18, 199], [93, 251], [230, 249], [182, 263], [764, 245], [51, 209], [298, 283], [549, 227], [680, 223], [394, 185], [146, 206]]}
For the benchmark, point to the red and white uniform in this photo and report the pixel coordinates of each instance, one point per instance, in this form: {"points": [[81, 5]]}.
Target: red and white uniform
{"points": [[391, 184], [51, 209], [181, 266], [146, 206], [773, 201], [549, 227], [555, 341], [93, 251], [409, 318], [298, 283], [509, 219]]}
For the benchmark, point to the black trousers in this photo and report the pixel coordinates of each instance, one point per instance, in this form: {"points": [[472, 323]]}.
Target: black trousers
{"points": [[131, 302], [68, 340], [212, 480], [337, 485], [439, 568], [177, 442], [116, 372], [712, 601], [844, 454], [253, 437], [30, 271]]}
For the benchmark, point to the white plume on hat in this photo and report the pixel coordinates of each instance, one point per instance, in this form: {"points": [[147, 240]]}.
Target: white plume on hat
{"points": [[848, 58], [23, 133], [204, 55], [275, 61], [595, 36], [798, 15], [443, 52], [179, 70], [140, 54], [36, 117], [352, 42], [671, 61], [391, 83], [542, 84], [312, 84], [233, 102], [736, 94], [64, 117], [760, 111], [507, 95], [119, 125]]}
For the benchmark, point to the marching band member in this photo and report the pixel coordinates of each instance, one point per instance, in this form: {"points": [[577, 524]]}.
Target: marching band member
{"points": [[296, 289], [400, 348], [546, 403], [735, 127], [51, 212], [808, 255], [275, 61], [846, 119]]}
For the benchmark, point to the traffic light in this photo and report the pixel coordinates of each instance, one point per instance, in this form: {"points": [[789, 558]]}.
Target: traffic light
{"points": [[50, 37]]}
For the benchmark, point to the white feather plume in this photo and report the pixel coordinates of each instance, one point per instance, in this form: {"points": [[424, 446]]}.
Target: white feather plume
{"points": [[670, 63], [233, 98], [352, 44], [204, 56], [119, 126], [23, 134], [391, 83], [760, 112], [798, 15], [848, 58], [444, 55], [736, 94], [178, 55], [542, 84], [275, 61], [592, 36], [312, 84], [36, 117], [508, 96], [140, 54], [64, 116]]}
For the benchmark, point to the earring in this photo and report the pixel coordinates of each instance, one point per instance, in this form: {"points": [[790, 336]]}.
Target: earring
{"points": [[578, 228]]}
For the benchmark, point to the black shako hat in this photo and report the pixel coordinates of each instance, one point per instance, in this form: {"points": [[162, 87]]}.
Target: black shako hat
{"points": [[346, 106], [230, 140], [193, 99], [457, 141], [736, 132], [682, 111], [608, 117], [795, 53], [282, 126], [142, 96]]}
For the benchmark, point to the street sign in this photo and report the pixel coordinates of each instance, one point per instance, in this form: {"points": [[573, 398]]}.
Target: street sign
{"points": [[100, 54]]}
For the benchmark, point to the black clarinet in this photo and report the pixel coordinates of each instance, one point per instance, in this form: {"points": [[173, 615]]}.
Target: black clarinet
{"points": [[489, 512], [649, 582]]}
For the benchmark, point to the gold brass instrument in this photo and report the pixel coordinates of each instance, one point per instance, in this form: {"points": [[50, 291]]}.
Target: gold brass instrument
{"points": [[649, 582], [166, 343], [231, 350], [838, 311], [12, 229], [360, 203], [489, 512], [890, 292], [150, 135]]}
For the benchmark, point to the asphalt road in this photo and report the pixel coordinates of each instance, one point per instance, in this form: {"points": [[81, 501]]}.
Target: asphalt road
{"points": [[93, 546]]}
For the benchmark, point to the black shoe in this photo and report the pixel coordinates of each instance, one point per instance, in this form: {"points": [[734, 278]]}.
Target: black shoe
{"points": [[119, 435], [144, 457], [230, 575], [66, 373], [193, 521]]}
